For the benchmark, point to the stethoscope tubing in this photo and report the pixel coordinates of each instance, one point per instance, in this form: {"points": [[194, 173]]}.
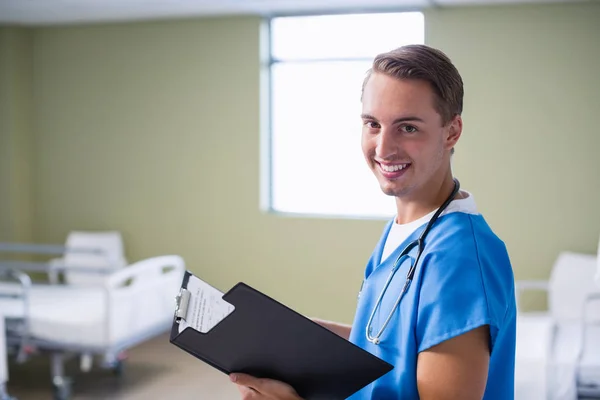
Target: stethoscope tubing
{"points": [[420, 242]]}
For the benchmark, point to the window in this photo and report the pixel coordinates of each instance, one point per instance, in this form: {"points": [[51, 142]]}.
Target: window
{"points": [[314, 163]]}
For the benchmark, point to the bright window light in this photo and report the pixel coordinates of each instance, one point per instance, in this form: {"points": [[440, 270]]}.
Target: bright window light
{"points": [[317, 67]]}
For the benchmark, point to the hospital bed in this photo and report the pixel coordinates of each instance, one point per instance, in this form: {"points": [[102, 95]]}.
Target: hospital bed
{"points": [[3, 362], [100, 311], [558, 350]]}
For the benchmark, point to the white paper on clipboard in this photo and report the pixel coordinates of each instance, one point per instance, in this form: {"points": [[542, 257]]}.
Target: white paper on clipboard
{"points": [[206, 307]]}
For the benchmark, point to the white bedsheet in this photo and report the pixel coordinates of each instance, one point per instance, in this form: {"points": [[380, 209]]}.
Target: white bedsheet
{"points": [[562, 369], [132, 304], [547, 367], [3, 357], [62, 314], [567, 370], [589, 369], [533, 343]]}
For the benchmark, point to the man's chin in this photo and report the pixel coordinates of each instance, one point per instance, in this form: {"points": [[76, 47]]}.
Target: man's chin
{"points": [[390, 191], [393, 190]]}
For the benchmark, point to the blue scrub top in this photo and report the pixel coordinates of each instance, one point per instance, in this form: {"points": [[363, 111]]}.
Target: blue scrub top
{"points": [[464, 280]]}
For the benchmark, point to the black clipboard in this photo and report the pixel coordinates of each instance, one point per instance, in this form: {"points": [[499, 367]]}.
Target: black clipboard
{"points": [[266, 339]]}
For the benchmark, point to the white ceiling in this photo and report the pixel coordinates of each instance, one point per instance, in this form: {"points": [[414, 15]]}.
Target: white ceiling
{"points": [[45, 12]]}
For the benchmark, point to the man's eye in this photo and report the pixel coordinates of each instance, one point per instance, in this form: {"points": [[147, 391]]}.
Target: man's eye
{"points": [[409, 129], [372, 125]]}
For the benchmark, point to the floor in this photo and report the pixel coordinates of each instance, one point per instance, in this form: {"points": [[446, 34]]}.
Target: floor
{"points": [[154, 370]]}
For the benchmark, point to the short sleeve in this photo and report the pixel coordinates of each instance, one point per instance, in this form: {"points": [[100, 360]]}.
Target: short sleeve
{"points": [[452, 298]]}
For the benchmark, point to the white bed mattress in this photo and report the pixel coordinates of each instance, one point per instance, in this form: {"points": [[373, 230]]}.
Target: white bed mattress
{"points": [[3, 358], [68, 315], [589, 368], [64, 315], [533, 341], [566, 370], [546, 370], [132, 305]]}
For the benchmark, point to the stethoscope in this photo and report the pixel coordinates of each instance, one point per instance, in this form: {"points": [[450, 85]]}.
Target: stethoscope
{"points": [[420, 243]]}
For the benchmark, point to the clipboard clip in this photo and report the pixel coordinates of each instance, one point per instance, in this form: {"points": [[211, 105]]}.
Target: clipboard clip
{"points": [[182, 301]]}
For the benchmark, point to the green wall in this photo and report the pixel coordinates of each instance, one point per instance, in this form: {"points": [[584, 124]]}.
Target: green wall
{"points": [[530, 148], [16, 130], [153, 129]]}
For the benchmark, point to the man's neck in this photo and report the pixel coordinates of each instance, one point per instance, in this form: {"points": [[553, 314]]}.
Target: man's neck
{"points": [[425, 201]]}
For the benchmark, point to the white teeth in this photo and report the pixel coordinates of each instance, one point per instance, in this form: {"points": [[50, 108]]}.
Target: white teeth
{"points": [[393, 168]]}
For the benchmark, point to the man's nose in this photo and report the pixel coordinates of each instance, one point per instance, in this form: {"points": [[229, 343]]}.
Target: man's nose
{"points": [[386, 145]]}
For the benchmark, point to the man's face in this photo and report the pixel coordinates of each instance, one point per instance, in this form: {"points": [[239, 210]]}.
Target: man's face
{"points": [[403, 139]]}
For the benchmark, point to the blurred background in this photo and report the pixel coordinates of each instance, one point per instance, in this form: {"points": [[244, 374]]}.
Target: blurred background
{"points": [[228, 133]]}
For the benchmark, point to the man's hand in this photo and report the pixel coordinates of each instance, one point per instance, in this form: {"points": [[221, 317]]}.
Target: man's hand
{"points": [[455, 369], [252, 388], [335, 327]]}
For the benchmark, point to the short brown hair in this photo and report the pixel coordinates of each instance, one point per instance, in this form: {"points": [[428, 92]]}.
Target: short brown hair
{"points": [[429, 64]]}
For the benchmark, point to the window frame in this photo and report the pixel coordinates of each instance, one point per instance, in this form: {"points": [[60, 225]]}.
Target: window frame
{"points": [[266, 108]]}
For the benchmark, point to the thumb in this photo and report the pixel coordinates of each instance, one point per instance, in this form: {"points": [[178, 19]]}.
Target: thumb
{"points": [[245, 380]]}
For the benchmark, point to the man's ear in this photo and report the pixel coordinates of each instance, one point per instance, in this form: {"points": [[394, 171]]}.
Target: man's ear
{"points": [[454, 130]]}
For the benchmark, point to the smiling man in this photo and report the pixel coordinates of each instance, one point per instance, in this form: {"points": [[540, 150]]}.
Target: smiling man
{"points": [[437, 299]]}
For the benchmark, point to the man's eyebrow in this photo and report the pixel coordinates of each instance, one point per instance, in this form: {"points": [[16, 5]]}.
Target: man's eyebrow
{"points": [[367, 116], [396, 121]]}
